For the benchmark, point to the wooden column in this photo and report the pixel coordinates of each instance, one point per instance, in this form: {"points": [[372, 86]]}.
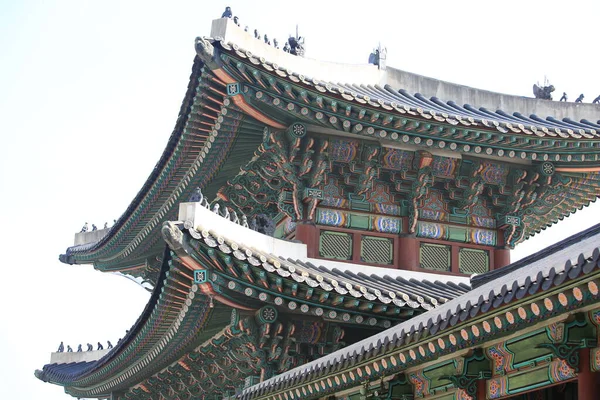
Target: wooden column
{"points": [[308, 234], [587, 380], [408, 253], [481, 390], [501, 258]]}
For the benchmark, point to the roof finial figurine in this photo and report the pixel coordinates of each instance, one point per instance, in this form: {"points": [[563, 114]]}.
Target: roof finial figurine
{"points": [[256, 34], [543, 92], [109, 344], [266, 38], [94, 228], [286, 47], [236, 20], [596, 100], [374, 57], [205, 203], [245, 221], [227, 13], [105, 225], [61, 347], [296, 44], [216, 209], [90, 347], [579, 99], [69, 349], [564, 97], [246, 28], [100, 347], [85, 227], [234, 217], [79, 350], [275, 43], [226, 213], [197, 196], [264, 224]]}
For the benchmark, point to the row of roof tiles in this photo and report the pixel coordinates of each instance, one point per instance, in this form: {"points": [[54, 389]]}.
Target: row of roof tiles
{"points": [[425, 294], [547, 272], [403, 102]]}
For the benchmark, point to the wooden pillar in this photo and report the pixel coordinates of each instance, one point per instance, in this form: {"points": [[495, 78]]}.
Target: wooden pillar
{"points": [[308, 234], [481, 390], [501, 258], [408, 253], [587, 380]]}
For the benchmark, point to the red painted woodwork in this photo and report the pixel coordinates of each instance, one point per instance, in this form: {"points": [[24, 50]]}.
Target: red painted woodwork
{"points": [[309, 235], [481, 390], [587, 380], [501, 258], [408, 253]]}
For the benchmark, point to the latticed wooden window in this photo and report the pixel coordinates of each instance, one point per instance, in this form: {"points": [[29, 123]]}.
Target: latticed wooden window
{"points": [[377, 250], [435, 256], [473, 261], [336, 245]]}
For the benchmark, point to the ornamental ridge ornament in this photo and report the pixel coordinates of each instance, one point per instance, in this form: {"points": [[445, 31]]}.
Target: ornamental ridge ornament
{"points": [[547, 168], [233, 89], [200, 276], [297, 130], [314, 193], [510, 220], [267, 315]]}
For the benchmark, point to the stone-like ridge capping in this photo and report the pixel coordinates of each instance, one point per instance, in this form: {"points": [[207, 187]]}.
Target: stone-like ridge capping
{"points": [[227, 31]]}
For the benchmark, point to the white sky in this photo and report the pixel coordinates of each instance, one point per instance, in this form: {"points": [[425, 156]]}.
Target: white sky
{"points": [[90, 91]]}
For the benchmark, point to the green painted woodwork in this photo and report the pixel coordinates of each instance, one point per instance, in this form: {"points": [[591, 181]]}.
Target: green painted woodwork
{"points": [[528, 380], [447, 396], [457, 234], [473, 261], [525, 351], [400, 388], [359, 204], [376, 250], [435, 257], [437, 375], [358, 221], [458, 219], [335, 245]]}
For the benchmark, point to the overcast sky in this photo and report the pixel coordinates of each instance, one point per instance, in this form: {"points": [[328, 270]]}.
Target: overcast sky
{"points": [[90, 91]]}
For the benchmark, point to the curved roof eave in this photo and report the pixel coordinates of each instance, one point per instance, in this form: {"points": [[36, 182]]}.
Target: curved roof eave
{"points": [[550, 269], [150, 181]]}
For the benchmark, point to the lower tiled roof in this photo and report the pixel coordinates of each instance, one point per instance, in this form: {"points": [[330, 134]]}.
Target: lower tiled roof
{"points": [[582, 237], [552, 268]]}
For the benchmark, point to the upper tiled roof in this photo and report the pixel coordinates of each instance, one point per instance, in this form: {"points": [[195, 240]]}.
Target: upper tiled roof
{"points": [[398, 100], [210, 127]]}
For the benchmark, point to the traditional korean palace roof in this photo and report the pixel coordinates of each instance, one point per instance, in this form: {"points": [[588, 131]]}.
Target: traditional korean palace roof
{"points": [[266, 132], [529, 307], [350, 167], [254, 314]]}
